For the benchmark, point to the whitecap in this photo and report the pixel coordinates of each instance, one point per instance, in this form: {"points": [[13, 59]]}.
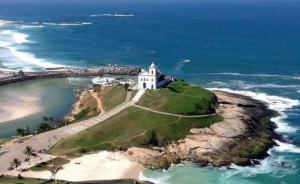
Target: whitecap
{"points": [[67, 23], [112, 15], [158, 180], [186, 61], [19, 38], [286, 147], [31, 26], [277, 166], [257, 75]]}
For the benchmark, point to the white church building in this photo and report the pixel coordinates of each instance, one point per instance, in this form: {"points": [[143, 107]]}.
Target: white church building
{"points": [[152, 79]]}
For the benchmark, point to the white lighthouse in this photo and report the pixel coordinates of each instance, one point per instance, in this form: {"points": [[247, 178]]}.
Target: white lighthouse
{"points": [[148, 79]]}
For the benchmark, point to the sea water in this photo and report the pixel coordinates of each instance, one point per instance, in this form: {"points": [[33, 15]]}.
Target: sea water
{"points": [[246, 47]]}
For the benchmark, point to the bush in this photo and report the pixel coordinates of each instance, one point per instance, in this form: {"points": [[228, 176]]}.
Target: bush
{"points": [[43, 127]]}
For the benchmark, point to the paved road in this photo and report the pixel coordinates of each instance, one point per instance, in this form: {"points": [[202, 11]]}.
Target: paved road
{"points": [[170, 114], [48, 139]]}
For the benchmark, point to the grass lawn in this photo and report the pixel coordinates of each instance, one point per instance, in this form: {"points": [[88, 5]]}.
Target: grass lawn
{"points": [[114, 97], [131, 127], [15, 180], [180, 98]]}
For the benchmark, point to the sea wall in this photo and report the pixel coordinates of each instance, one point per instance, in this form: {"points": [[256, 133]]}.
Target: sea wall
{"points": [[12, 77]]}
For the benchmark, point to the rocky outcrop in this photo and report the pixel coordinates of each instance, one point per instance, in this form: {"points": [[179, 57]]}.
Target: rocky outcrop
{"points": [[245, 133]]}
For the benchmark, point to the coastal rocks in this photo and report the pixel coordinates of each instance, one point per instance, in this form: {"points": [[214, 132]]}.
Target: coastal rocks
{"points": [[245, 133]]}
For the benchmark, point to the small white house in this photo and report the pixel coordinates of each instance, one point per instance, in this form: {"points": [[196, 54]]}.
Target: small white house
{"points": [[152, 79]]}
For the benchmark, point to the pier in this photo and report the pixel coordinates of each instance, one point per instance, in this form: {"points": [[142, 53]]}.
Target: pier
{"points": [[62, 72]]}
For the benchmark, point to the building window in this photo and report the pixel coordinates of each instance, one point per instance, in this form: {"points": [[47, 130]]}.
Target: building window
{"points": [[152, 72]]}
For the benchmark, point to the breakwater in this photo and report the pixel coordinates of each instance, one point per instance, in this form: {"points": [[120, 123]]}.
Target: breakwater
{"points": [[61, 72]]}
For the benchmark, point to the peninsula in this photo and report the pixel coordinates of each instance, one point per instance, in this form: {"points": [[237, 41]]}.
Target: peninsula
{"points": [[117, 129]]}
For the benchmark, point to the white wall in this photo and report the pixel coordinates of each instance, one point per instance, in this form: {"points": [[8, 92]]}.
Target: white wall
{"points": [[149, 80]]}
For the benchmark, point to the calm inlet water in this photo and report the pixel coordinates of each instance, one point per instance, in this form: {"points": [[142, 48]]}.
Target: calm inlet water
{"points": [[248, 47], [49, 97]]}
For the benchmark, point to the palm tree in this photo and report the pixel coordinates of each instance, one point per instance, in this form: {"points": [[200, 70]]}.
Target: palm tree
{"points": [[28, 152], [16, 163]]}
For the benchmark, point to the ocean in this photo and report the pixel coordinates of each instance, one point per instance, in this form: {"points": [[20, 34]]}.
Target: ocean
{"points": [[243, 46]]}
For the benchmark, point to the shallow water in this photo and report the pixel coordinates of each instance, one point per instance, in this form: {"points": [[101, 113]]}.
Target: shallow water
{"points": [[54, 97]]}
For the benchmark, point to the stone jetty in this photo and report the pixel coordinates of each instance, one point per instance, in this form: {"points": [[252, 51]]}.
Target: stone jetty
{"points": [[61, 72]]}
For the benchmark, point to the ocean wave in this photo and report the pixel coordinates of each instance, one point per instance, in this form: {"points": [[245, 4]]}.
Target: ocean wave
{"points": [[6, 22], [158, 180], [13, 40], [257, 75], [180, 64], [31, 26], [286, 147], [112, 15], [276, 103], [67, 23], [245, 86], [277, 166], [19, 38]]}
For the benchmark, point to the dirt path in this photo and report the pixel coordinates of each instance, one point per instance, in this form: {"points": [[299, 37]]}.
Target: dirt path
{"points": [[99, 102]]}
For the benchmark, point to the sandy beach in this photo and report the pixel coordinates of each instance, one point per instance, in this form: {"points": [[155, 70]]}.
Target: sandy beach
{"points": [[103, 165], [18, 107]]}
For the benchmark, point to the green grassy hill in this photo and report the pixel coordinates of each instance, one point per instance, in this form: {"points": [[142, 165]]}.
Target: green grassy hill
{"points": [[114, 97], [142, 128], [132, 127], [180, 98]]}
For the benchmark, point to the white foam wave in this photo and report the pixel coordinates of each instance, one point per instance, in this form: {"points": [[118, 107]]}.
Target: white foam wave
{"points": [[286, 147], [112, 15], [31, 26], [276, 103], [257, 75], [158, 180], [5, 22], [13, 40], [67, 23], [186, 61], [276, 166]]}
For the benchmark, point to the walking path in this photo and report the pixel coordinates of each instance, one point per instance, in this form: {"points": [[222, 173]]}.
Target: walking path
{"points": [[171, 114], [99, 102]]}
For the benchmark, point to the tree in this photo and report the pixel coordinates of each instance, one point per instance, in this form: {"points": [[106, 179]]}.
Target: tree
{"points": [[21, 131], [45, 118], [28, 152], [16, 163], [43, 127]]}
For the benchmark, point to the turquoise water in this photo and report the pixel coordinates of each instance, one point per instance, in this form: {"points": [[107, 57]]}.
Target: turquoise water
{"points": [[250, 47], [54, 98]]}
